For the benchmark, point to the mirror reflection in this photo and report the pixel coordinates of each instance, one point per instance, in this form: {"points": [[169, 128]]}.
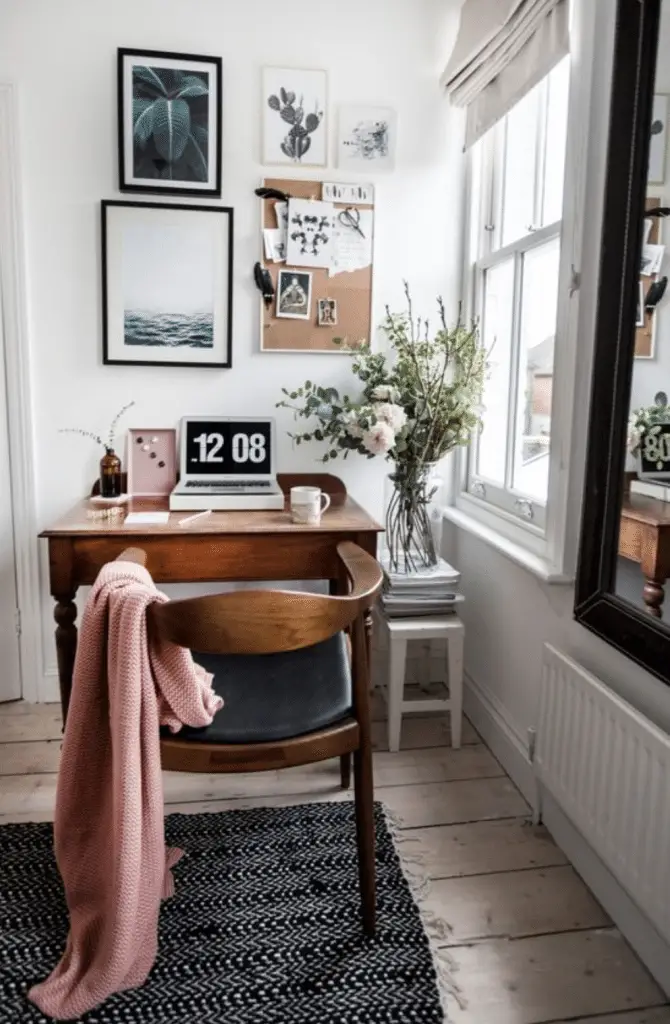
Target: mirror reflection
{"points": [[643, 564]]}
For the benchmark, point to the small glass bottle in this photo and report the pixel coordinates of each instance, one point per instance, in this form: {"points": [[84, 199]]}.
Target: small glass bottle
{"points": [[110, 474]]}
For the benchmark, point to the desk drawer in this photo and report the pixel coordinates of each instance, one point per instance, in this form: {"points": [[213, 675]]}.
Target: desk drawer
{"points": [[204, 558]]}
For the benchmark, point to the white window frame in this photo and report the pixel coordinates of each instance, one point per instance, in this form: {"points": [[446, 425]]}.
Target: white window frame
{"points": [[549, 551]]}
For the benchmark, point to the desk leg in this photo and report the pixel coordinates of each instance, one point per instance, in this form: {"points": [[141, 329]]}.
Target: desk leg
{"points": [[654, 595], [335, 587], [65, 614]]}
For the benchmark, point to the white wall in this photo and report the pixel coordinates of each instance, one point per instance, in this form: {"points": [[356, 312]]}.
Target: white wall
{"points": [[63, 58], [509, 613]]}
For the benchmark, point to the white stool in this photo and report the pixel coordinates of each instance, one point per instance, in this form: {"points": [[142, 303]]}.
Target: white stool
{"points": [[399, 631]]}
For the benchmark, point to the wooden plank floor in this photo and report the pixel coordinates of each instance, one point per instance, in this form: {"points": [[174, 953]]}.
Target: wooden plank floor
{"points": [[529, 942]]}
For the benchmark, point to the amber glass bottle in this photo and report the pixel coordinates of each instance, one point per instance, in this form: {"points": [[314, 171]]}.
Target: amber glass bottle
{"points": [[110, 474]]}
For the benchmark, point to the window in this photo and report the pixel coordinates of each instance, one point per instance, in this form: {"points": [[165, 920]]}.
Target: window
{"points": [[517, 174]]}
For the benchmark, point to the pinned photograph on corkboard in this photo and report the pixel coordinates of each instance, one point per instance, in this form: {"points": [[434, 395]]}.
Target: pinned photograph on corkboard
{"points": [[294, 294]]}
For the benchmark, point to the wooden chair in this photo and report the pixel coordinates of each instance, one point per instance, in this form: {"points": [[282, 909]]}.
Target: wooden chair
{"points": [[296, 688]]}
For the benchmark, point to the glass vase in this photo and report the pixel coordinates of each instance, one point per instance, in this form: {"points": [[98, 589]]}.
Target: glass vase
{"points": [[413, 518], [110, 474]]}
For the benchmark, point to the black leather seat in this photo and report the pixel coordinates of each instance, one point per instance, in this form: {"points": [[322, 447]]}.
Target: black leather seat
{"points": [[269, 697]]}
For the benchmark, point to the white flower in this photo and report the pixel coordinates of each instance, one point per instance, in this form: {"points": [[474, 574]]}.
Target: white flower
{"points": [[394, 415], [351, 424], [385, 393], [379, 439]]}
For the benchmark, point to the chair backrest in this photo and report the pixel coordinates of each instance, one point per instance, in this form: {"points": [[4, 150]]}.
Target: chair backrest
{"points": [[266, 621]]}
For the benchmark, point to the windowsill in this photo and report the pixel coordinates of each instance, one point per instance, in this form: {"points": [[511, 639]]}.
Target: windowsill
{"points": [[533, 563]]}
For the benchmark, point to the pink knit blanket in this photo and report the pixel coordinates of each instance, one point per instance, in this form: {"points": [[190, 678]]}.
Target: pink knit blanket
{"points": [[109, 837]]}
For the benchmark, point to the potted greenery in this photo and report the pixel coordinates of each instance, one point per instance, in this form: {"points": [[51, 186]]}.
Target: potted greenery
{"points": [[417, 403]]}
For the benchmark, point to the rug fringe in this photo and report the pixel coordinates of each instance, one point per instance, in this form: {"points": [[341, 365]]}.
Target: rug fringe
{"points": [[436, 927]]}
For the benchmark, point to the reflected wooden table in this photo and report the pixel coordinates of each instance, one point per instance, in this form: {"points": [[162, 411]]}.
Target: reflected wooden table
{"points": [[225, 546], [644, 537]]}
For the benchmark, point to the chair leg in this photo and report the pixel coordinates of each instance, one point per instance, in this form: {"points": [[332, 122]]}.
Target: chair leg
{"points": [[345, 770], [365, 833]]}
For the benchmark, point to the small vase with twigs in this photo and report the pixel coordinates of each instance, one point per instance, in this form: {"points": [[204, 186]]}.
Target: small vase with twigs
{"points": [[110, 463]]}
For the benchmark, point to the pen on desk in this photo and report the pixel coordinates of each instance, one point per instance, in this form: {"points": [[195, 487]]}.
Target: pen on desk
{"points": [[192, 519]]}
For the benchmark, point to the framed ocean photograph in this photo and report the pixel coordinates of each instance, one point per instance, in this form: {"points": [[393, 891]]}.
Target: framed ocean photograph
{"points": [[169, 123], [295, 117], [167, 280]]}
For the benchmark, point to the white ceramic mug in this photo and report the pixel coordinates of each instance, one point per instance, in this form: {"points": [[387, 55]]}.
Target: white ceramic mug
{"points": [[308, 505]]}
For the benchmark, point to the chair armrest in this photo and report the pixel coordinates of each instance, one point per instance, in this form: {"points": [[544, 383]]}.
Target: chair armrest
{"points": [[364, 571]]}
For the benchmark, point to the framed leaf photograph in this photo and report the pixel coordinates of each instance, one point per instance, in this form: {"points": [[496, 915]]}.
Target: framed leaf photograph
{"points": [[169, 123]]}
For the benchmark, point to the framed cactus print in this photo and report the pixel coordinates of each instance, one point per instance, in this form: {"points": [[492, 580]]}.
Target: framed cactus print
{"points": [[295, 117], [169, 107]]}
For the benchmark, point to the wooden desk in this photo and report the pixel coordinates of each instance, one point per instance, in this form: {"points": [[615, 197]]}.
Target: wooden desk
{"points": [[644, 537], [225, 546]]}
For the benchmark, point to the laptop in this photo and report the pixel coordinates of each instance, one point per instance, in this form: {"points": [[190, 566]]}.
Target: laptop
{"points": [[227, 463]]}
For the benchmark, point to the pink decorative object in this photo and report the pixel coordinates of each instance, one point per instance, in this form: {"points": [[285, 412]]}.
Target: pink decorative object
{"points": [[108, 832], [152, 461]]}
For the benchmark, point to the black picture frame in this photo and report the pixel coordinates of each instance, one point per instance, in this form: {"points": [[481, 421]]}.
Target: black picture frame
{"points": [[630, 630], [110, 309], [152, 183]]}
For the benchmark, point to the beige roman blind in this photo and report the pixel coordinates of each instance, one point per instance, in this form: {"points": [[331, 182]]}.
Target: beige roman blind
{"points": [[503, 49]]}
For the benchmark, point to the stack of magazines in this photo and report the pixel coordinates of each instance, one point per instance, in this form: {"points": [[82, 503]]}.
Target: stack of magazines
{"points": [[431, 591]]}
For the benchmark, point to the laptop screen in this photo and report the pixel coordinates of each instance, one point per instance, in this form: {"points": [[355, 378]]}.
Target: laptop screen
{"points": [[227, 447]]}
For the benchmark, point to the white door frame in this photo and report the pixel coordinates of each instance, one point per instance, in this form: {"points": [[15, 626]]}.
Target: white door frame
{"points": [[19, 407]]}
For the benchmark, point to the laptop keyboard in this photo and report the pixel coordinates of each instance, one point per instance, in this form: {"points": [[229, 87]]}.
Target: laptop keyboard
{"points": [[226, 485]]}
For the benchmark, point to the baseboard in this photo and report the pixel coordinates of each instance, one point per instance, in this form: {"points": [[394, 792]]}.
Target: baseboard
{"points": [[652, 949], [492, 723]]}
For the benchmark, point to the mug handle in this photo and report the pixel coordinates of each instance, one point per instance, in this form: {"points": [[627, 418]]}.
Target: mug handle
{"points": [[325, 497]]}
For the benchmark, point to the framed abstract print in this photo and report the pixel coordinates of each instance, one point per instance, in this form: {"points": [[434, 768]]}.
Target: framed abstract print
{"points": [[169, 123], [167, 284]]}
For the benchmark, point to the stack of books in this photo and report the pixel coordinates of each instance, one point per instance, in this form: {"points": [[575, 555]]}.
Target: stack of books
{"points": [[431, 591]]}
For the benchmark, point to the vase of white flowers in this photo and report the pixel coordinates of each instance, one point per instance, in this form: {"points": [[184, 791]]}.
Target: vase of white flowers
{"points": [[416, 403]]}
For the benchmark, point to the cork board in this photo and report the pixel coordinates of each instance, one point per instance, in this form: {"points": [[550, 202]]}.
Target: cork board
{"points": [[352, 291], [644, 335]]}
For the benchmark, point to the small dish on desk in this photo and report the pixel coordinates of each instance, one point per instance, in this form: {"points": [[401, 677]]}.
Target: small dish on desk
{"points": [[97, 499]]}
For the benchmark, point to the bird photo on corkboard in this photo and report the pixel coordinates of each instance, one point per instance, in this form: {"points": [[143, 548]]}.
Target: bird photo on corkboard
{"points": [[294, 294]]}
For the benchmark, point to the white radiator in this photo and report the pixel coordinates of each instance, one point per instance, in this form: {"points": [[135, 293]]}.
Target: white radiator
{"points": [[608, 768]]}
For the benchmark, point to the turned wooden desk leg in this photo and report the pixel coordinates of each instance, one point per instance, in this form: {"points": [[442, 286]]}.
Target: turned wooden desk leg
{"points": [[368, 643], [65, 614], [654, 595], [655, 571]]}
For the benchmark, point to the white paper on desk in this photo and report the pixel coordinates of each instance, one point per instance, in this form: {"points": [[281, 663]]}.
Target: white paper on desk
{"points": [[352, 251], [310, 233], [274, 240], [652, 257], [147, 519]]}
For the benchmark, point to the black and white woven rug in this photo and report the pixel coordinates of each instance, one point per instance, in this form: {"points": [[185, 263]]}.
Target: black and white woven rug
{"points": [[264, 928]]}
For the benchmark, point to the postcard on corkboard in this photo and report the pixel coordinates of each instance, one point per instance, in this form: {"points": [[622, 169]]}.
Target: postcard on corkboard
{"points": [[319, 254]]}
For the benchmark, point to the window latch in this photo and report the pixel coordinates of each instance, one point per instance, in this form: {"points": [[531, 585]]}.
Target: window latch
{"points": [[525, 508], [478, 489], [575, 280]]}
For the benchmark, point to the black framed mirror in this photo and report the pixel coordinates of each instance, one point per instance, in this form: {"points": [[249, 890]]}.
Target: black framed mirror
{"points": [[624, 559]]}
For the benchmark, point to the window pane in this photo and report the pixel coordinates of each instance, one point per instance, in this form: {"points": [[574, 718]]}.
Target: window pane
{"points": [[497, 339], [556, 136], [539, 303], [520, 164]]}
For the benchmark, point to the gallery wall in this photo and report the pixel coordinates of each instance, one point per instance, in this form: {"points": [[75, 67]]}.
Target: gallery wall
{"points": [[62, 56]]}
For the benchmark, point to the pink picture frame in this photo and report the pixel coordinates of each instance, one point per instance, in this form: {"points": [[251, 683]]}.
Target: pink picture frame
{"points": [[151, 461]]}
